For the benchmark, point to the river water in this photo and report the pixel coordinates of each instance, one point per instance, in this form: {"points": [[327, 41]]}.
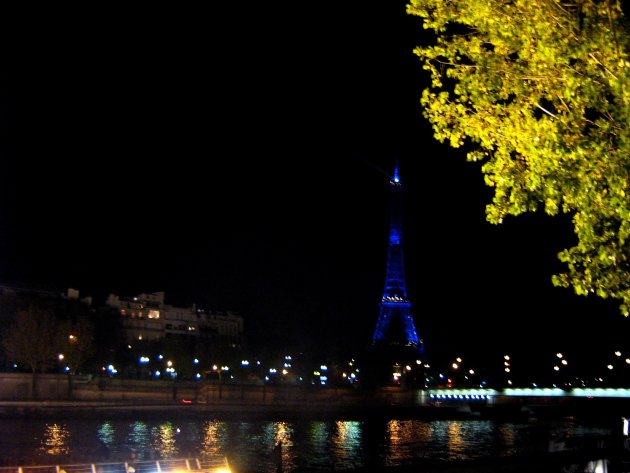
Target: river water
{"points": [[248, 444]]}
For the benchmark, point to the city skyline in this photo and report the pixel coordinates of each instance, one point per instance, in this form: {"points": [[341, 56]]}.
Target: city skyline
{"points": [[250, 173]]}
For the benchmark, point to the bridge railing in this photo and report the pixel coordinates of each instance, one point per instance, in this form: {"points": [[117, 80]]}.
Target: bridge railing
{"points": [[194, 465], [468, 394]]}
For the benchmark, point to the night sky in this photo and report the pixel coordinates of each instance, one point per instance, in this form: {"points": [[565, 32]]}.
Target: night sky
{"points": [[238, 157]]}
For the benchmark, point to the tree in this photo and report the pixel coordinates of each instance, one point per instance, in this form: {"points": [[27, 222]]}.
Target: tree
{"points": [[540, 91], [75, 339], [33, 339], [76, 342], [109, 341], [8, 308]]}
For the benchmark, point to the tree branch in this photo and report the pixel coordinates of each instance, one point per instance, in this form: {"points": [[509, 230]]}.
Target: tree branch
{"points": [[545, 110]]}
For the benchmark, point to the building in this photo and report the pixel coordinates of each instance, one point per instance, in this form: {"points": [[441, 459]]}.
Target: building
{"points": [[147, 317]]}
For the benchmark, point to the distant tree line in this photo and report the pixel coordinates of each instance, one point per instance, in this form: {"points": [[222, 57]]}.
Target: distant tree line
{"points": [[44, 333]]}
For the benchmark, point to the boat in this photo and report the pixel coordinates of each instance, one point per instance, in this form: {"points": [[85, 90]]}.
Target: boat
{"points": [[181, 465]]}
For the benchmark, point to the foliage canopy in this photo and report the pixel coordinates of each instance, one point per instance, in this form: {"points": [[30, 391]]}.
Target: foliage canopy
{"points": [[541, 91], [33, 339], [76, 342]]}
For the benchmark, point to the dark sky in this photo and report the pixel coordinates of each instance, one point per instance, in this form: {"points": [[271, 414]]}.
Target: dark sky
{"points": [[237, 157]]}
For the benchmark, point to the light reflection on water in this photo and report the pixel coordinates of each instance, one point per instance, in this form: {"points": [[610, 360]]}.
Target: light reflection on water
{"points": [[164, 440], [456, 445], [331, 444], [282, 434], [346, 442], [401, 439], [106, 434], [55, 440], [138, 436], [212, 440]]}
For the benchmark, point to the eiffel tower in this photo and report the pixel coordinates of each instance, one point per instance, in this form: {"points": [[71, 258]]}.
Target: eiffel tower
{"points": [[395, 342], [395, 326]]}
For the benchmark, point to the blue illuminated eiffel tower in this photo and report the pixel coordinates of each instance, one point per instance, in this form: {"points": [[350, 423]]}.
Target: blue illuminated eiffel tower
{"points": [[395, 329]]}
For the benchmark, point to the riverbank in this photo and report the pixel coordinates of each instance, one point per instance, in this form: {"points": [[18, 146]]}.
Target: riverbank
{"points": [[235, 410], [291, 410], [86, 397]]}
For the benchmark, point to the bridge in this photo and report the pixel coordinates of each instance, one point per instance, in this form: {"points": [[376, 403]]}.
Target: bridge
{"points": [[493, 395], [182, 465]]}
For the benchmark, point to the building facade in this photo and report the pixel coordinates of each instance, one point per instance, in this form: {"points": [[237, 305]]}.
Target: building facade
{"points": [[147, 317]]}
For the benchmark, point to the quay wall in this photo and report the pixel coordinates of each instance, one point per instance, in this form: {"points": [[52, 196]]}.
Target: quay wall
{"points": [[50, 387], [59, 394]]}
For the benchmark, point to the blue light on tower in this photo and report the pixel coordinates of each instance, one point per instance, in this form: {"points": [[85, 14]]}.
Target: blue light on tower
{"points": [[395, 325]]}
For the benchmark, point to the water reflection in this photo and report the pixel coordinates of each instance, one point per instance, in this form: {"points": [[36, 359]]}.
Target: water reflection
{"points": [[507, 438], [406, 439], [55, 440], [439, 431], [321, 444], [213, 434], [138, 436], [282, 434], [164, 440], [346, 444], [318, 433], [106, 434], [424, 434], [316, 436], [456, 442]]}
